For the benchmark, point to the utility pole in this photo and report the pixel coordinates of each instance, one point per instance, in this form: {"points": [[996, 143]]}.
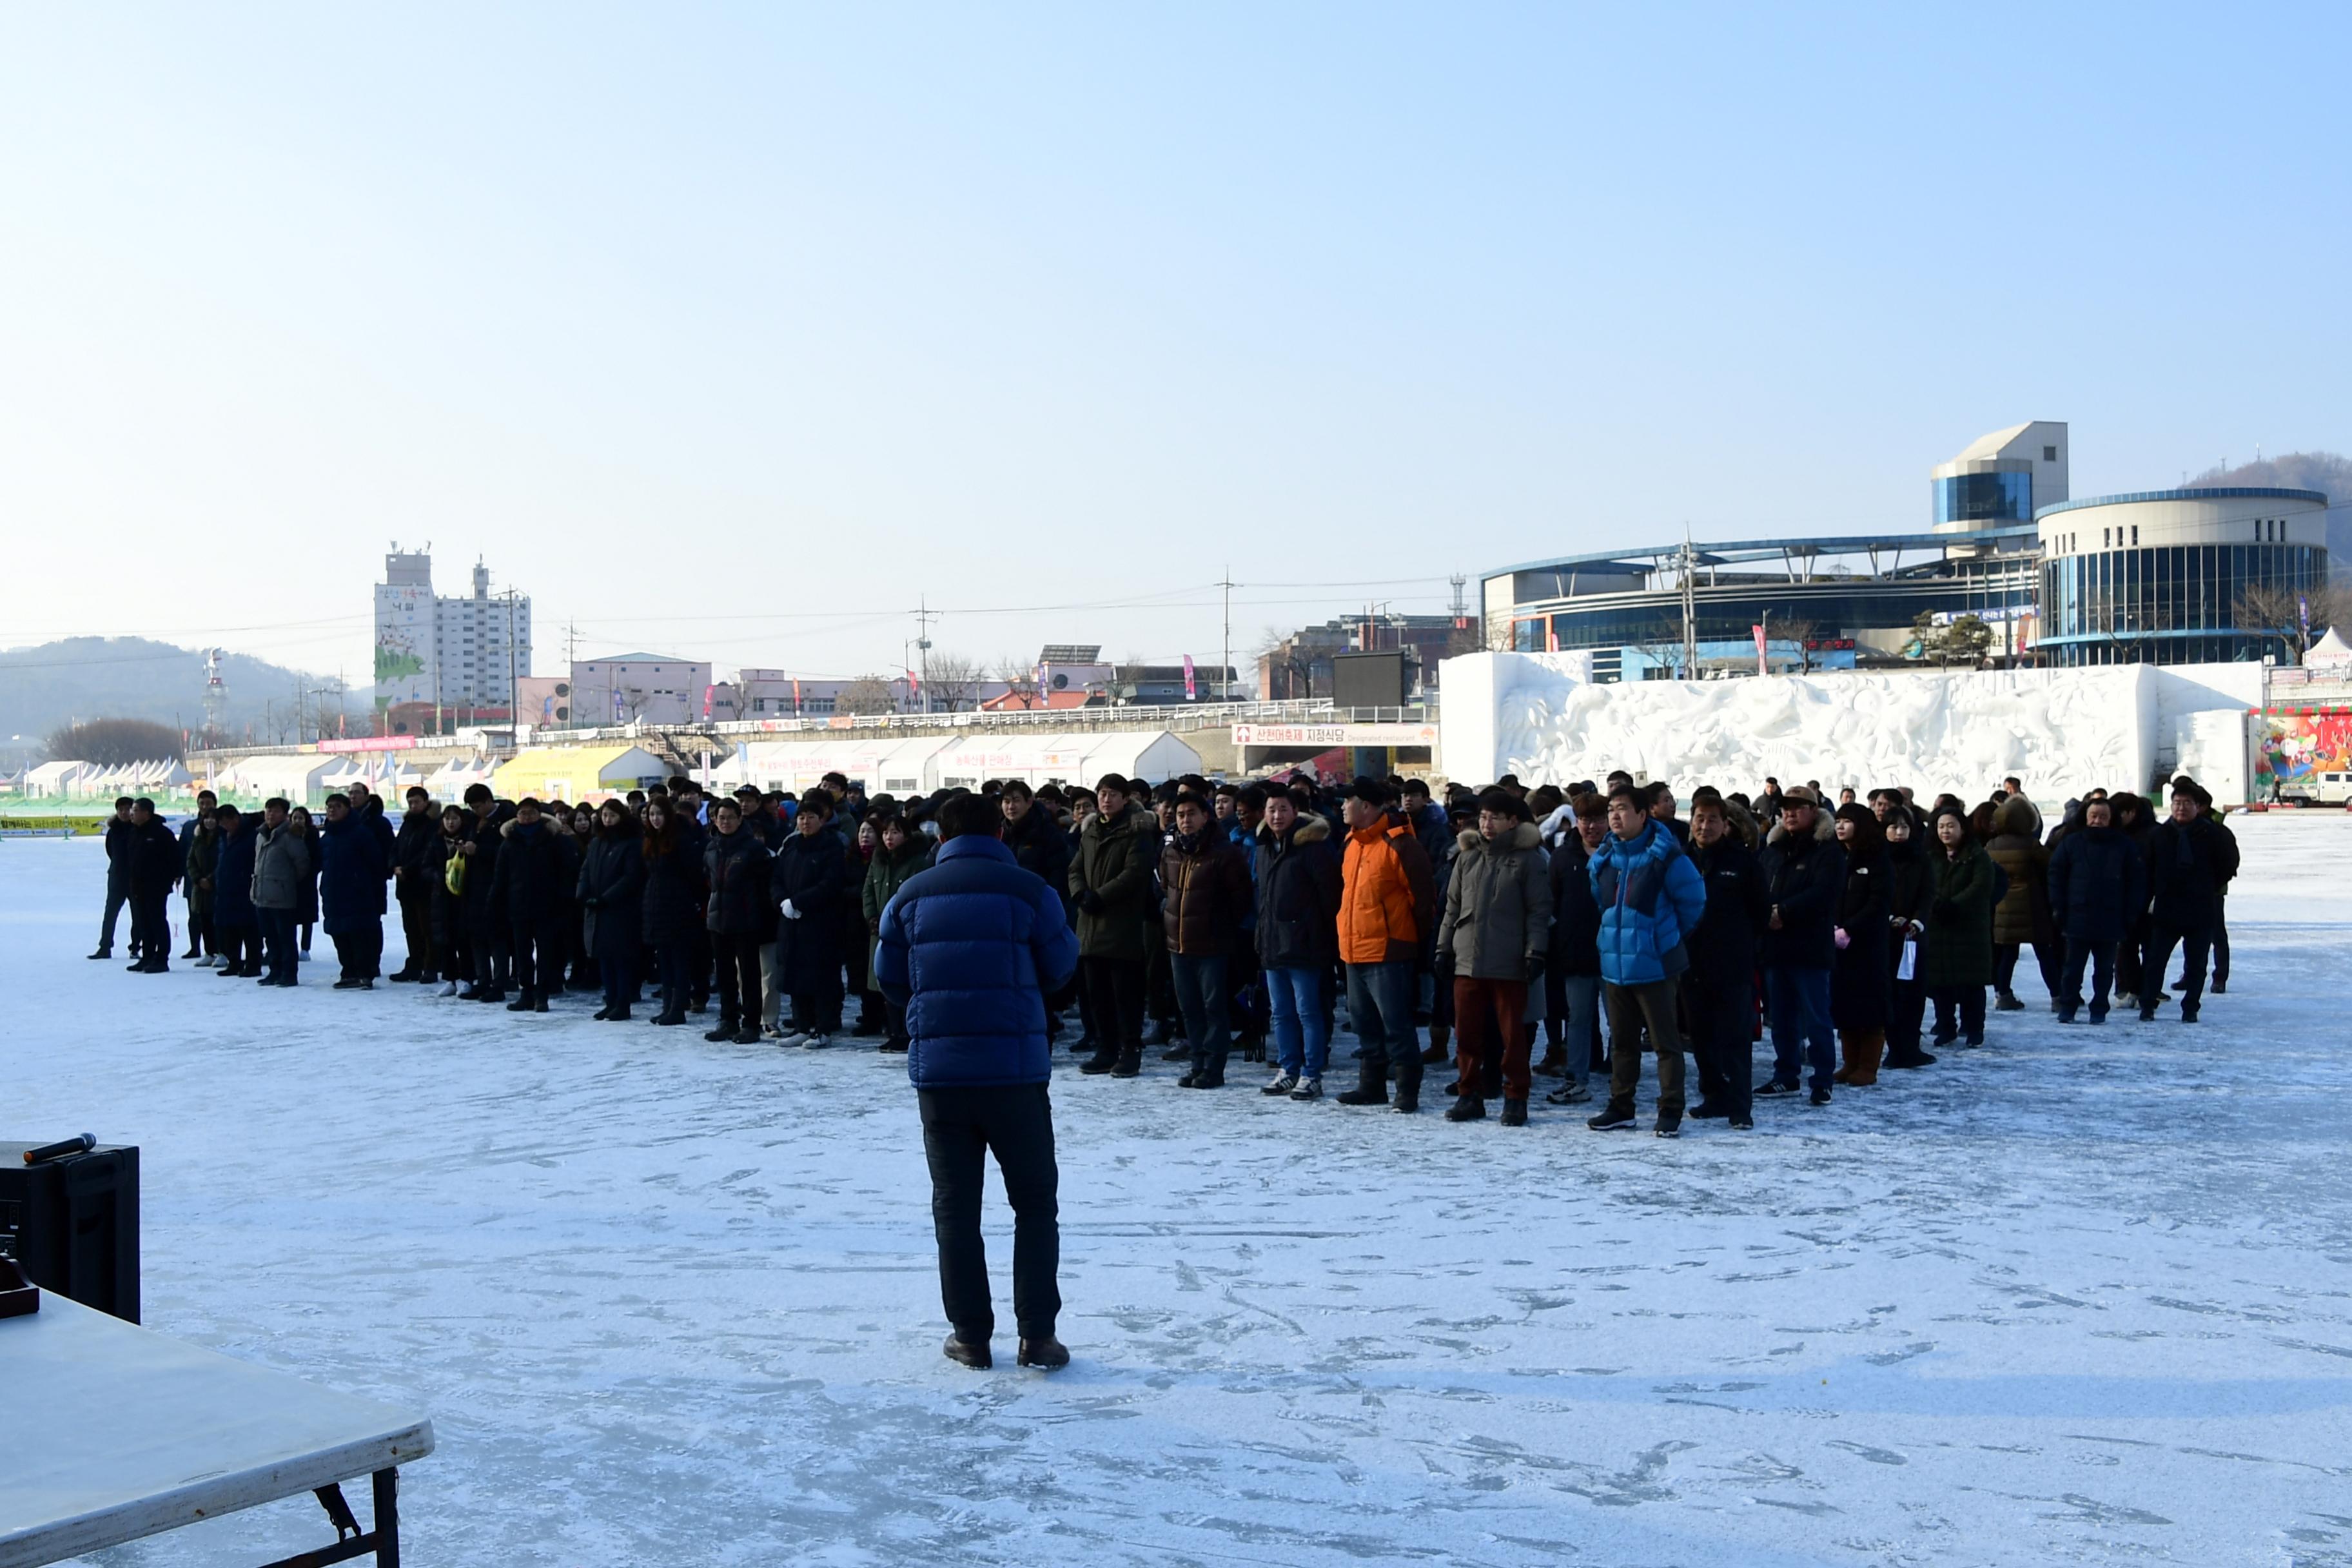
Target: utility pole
{"points": [[924, 617], [571, 636], [1690, 608], [1225, 669], [513, 692]]}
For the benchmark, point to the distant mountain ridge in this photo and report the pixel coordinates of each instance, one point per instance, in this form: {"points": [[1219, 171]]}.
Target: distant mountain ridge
{"points": [[2330, 473], [53, 683]]}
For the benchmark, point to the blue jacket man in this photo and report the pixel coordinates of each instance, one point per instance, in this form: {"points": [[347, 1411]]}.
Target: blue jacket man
{"points": [[971, 949], [1651, 898]]}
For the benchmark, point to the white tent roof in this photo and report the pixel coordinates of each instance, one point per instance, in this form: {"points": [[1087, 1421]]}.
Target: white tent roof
{"points": [[2330, 649], [289, 776], [922, 763], [1079, 758], [56, 775], [802, 764]]}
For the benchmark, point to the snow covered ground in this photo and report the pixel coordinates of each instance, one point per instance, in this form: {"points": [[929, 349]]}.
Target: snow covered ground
{"points": [[2084, 1296]]}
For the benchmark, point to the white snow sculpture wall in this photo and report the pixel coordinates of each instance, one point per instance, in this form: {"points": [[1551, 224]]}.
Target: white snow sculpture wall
{"points": [[2062, 731]]}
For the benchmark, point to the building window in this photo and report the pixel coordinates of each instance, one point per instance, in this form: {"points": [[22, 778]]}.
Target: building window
{"points": [[2049, 454]]}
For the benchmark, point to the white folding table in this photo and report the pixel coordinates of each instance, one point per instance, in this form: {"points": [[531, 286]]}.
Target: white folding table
{"points": [[110, 1432]]}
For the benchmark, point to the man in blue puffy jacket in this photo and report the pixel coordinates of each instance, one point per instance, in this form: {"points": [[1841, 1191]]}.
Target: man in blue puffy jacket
{"points": [[1651, 898], [971, 949]]}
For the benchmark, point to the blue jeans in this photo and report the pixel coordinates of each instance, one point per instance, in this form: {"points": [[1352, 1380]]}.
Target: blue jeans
{"points": [[1799, 1001], [1302, 1032], [1380, 1005], [1201, 996]]}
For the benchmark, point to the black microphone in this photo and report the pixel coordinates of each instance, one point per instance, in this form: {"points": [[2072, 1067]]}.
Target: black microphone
{"points": [[81, 1143]]}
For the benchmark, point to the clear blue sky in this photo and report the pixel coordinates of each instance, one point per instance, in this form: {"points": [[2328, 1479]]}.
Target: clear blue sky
{"points": [[729, 331]]}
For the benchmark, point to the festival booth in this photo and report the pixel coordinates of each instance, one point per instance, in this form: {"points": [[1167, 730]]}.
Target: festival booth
{"points": [[303, 779], [56, 779], [1075, 759], [450, 781], [578, 772], [882, 763]]}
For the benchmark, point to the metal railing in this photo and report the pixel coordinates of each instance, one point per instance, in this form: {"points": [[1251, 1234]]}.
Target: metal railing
{"points": [[1181, 718]]}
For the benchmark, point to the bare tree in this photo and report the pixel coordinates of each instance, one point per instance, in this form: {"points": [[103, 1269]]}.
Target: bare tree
{"points": [[953, 681], [114, 743], [1663, 645], [1801, 632], [866, 694], [1020, 678], [2297, 618]]}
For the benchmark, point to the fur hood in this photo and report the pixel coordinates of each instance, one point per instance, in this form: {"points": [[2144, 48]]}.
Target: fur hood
{"points": [[1312, 828], [2014, 816], [1522, 837], [1824, 828]]}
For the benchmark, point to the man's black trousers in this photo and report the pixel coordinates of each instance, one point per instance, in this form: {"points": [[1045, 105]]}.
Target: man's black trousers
{"points": [[1016, 1124]]}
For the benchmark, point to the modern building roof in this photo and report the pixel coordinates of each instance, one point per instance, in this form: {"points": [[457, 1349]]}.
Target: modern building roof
{"points": [[2221, 492], [641, 658], [1646, 558]]}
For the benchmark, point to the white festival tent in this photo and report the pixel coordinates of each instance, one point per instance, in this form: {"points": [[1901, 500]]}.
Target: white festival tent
{"points": [[57, 778], [920, 765], [449, 781], [304, 778], [2330, 652]]}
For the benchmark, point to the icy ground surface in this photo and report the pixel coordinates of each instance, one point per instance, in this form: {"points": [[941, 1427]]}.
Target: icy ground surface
{"points": [[2079, 1297]]}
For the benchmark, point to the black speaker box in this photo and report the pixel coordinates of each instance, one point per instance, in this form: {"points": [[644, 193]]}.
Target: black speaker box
{"points": [[73, 1224]]}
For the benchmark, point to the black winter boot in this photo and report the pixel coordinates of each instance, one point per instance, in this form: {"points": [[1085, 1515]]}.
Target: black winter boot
{"points": [[1466, 1107], [1106, 1058], [1129, 1064], [1515, 1113], [1371, 1087]]}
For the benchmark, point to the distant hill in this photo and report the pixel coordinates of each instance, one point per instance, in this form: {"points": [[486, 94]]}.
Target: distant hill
{"points": [[55, 683], [2330, 473]]}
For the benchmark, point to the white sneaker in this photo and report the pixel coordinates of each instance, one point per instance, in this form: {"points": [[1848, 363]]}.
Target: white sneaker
{"points": [[1308, 1089], [817, 1042], [207, 962], [446, 988], [1283, 1084]]}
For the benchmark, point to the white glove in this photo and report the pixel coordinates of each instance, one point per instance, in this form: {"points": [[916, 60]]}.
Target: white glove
{"points": [[791, 914]]}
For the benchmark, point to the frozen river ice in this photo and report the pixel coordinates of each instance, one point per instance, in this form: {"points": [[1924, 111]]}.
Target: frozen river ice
{"points": [[2084, 1296]]}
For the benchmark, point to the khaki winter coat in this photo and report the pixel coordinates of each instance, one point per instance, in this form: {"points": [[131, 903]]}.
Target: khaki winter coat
{"points": [[1497, 905], [1114, 861]]}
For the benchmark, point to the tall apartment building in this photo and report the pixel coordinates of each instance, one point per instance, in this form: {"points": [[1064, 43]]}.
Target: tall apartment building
{"points": [[454, 653]]}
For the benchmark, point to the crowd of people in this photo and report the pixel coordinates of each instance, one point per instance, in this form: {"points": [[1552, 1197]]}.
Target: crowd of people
{"points": [[1216, 920]]}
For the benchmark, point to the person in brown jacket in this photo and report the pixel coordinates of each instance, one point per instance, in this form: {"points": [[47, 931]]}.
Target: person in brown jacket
{"points": [[1204, 898], [2023, 913], [1388, 898]]}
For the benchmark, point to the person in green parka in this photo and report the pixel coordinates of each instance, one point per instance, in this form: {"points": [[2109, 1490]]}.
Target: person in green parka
{"points": [[897, 855], [1959, 957], [1111, 884]]}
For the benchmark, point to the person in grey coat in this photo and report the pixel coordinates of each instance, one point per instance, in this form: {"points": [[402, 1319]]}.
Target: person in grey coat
{"points": [[1493, 938], [283, 876]]}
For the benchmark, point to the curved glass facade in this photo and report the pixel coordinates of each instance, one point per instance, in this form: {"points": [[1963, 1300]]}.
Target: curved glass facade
{"points": [[2166, 606], [1984, 499]]}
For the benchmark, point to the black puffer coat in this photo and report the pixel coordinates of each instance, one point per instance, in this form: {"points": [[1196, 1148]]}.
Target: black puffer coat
{"points": [[1575, 915], [1723, 948], [1297, 896], [813, 872], [533, 880], [735, 870], [670, 908], [2098, 884], [1859, 978], [611, 892]]}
